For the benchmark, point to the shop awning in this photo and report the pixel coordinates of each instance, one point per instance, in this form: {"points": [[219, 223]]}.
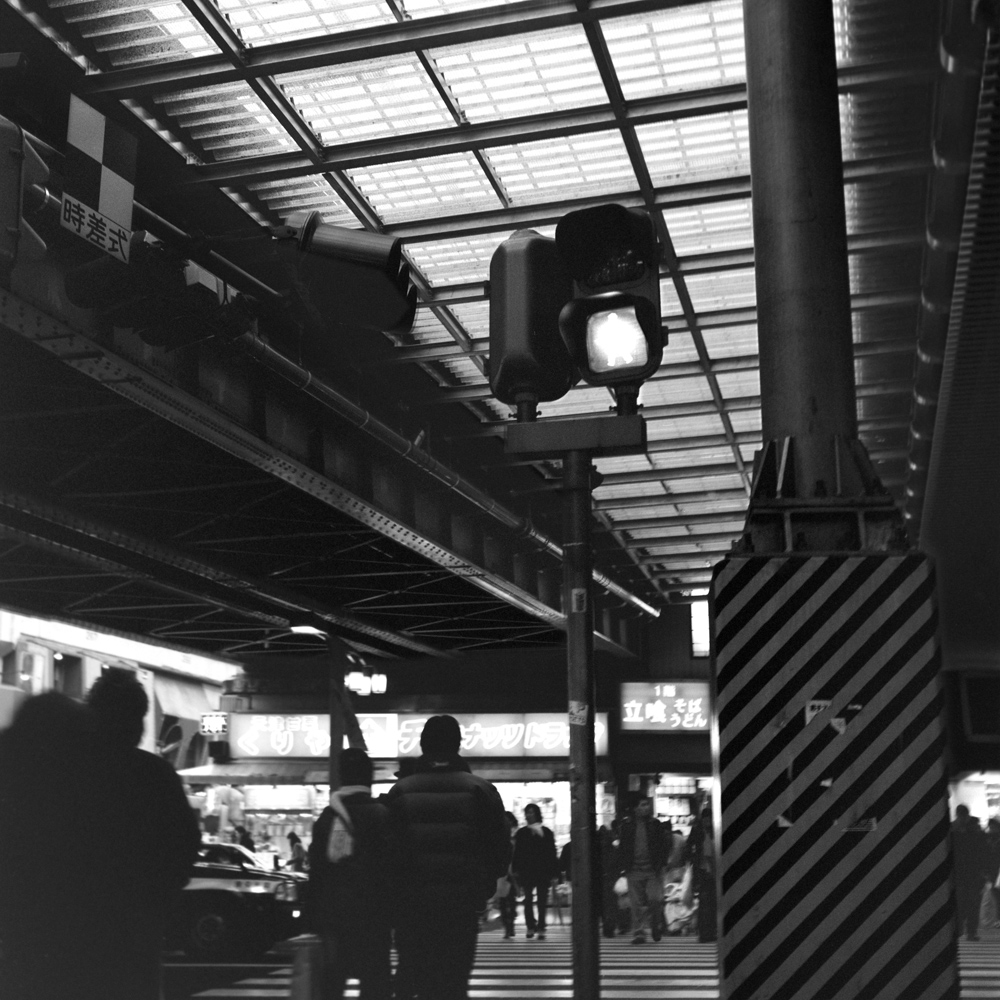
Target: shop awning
{"points": [[185, 699], [259, 772]]}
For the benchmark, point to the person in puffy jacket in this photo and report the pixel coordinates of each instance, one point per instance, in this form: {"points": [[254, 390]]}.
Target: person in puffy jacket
{"points": [[451, 844], [645, 850]]}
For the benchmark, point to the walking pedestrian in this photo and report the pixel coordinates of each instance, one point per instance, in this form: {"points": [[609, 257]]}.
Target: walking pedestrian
{"points": [[508, 902], [452, 844], [350, 885], [700, 854], [993, 843], [61, 920], [534, 865], [971, 861], [645, 850], [154, 832], [299, 859]]}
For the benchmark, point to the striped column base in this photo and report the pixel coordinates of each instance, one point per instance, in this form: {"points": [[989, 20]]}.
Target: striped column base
{"points": [[834, 866]]}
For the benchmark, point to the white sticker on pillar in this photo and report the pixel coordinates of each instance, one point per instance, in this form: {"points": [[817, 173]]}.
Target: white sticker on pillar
{"points": [[578, 713], [578, 600]]}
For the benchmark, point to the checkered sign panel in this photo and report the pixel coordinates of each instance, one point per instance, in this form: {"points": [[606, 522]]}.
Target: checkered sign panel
{"points": [[99, 180], [835, 872]]}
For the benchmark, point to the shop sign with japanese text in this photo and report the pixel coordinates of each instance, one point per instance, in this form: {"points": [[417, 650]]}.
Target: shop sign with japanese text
{"points": [[389, 735], [665, 707]]}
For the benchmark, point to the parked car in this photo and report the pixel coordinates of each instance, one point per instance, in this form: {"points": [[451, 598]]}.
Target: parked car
{"points": [[234, 907]]}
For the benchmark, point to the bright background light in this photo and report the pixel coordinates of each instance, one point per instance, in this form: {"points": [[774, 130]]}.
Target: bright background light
{"points": [[615, 340], [701, 639]]}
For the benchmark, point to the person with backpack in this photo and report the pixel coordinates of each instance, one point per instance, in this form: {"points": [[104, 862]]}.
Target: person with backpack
{"points": [[349, 901]]}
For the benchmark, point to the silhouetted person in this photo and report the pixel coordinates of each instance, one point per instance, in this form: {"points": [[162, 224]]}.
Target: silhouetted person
{"points": [[350, 889], [61, 922], [993, 844], [970, 857], [452, 844], [297, 862], [700, 854], [508, 903], [243, 838], [535, 864], [154, 835]]}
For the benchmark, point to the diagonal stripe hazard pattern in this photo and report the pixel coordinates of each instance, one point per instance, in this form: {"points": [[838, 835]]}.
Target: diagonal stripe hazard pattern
{"points": [[834, 859]]}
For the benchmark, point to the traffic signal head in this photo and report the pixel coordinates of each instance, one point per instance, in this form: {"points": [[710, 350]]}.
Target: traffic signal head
{"points": [[529, 284], [355, 277], [611, 326]]}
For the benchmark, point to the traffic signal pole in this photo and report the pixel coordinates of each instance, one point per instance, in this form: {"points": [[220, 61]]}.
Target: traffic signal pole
{"points": [[577, 575]]}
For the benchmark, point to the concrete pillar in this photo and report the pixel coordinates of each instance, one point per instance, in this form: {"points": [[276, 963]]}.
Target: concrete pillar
{"points": [[800, 241]]}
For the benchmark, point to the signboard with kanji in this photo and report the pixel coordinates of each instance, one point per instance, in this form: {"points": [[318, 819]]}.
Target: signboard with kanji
{"points": [[665, 707], [99, 180], [516, 734]]}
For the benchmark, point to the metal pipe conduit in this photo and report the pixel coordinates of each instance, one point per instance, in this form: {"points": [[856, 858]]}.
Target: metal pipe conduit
{"points": [[328, 397]]}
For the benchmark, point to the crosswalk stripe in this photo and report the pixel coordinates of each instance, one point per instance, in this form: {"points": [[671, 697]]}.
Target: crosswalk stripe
{"points": [[673, 969]]}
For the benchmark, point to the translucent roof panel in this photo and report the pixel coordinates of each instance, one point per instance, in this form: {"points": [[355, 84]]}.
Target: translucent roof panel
{"points": [[262, 22], [577, 166], [298, 193], [584, 399], [670, 304], [735, 385], [474, 317], [677, 428], [521, 74], [679, 347], [696, 149], [675, 390], [725, 290], [456, 261], [365, 100], [432, 8], [133, 34], [726, 225], [435, 186], [678, 49], [730, 342], [464, 371], [745, 420], [226, 121], [428, 329]]}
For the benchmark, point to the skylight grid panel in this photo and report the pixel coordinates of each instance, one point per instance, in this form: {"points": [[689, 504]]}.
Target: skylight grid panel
{"points": [[693, 457], [736, 385], [675, 428], [632, 490], [724, 507], [135, 35], [464, 371], [589, 400], [670, 303], [474, 317], [676, 390], [693, 149], [745, 421], [419, 189], [522, 74], [576, 166], [610, 465], [724, 290], [730, 341], [679, 49], [679, 347], [456, 261], [428, 329], [262, 22], [391, 96], [698, 229], [310, 193], [705, 484], [433, 8]]}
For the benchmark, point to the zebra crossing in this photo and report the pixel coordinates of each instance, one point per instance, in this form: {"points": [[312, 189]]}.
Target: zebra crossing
{"points": [[673, 969]]}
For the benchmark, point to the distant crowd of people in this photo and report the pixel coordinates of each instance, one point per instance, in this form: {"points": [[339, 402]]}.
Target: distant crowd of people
{"points": [[98, 839]]}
